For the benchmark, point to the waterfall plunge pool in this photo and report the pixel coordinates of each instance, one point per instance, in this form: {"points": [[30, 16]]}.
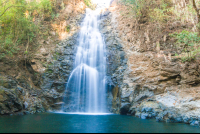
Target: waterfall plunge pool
{"points": [[79, 123]]}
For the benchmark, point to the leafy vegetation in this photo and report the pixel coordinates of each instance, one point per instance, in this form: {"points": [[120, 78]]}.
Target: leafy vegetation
{"points": [[68, 28], [189, 41], [18, 24], [135, 6], [186, 38], [160, 11], [89, 4], [178, 15]]}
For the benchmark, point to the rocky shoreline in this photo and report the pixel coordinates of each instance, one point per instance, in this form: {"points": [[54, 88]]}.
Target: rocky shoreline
{"points": [[151, 84]]}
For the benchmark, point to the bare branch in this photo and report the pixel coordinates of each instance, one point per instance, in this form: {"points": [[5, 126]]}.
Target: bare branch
{"points": [[198, 15], [195, 6], [4, 3], [9, 8]]}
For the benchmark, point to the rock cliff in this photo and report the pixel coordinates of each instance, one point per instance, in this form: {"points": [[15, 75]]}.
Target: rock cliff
{"points": [[152, 81], [37, 85]]}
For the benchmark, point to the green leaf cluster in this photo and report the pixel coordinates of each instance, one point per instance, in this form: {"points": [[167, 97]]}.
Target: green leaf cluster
{"points": [[68, 28], [135, 6], [161, 13], [18, 26], [186, 38], [155, 10], [89, 4], [190, 42]]}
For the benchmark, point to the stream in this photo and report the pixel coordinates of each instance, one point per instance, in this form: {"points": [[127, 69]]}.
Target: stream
{"points": [[84, 123]]}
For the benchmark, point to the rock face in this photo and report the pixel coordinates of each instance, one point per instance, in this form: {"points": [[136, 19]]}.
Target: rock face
{"points": [[40, 86], [169, 108], [19, 96], [55, 79], [15, 99], [116, 61], [151, 81]]}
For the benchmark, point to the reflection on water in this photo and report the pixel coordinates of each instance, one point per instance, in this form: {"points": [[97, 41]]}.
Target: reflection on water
{"points": [[70, 123]]}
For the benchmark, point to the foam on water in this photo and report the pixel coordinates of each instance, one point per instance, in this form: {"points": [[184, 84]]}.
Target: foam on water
{"points": [[82, 113]]}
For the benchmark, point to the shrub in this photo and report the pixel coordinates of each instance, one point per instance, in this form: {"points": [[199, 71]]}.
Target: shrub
{"points": [[154, 10], [89, 4], [68, 28], [189, 42], [17, 26], [186, 38]]}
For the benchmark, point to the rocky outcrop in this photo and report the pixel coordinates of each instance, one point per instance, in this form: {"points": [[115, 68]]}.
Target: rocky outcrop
{"points": [[38, 85], [116, 61], [56, 76], [153, 83], [169, 108], [19, 98]]}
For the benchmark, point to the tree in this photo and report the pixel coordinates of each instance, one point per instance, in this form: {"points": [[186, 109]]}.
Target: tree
{"points": [[198, 14]]}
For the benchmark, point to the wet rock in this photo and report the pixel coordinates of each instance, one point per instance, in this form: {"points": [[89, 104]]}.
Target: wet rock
{"points": [[9, 102], [125, 108], [194, 123], [57, 106], [25, 105], [144, 116]]}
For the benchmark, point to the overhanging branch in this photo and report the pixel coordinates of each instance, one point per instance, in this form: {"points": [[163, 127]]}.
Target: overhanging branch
{"points": [[195, 6], [9, 8]]}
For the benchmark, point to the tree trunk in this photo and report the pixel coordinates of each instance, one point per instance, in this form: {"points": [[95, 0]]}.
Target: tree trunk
{"points": [[198, 15]]}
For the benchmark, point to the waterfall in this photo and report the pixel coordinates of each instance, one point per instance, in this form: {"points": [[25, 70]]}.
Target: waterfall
{"points": [[86, 89]]}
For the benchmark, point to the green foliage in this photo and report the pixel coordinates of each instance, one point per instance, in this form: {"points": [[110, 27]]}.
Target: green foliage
{"points": [[176, 54], [156, 11], [135, 6], [49, 68], [186, 38], [26, 52], [17, 27], [190, 42], [89, 4], [53, 15], [68, 28], [1, 81], [162, 12], [2, 91], [190, 56], [186, 58], [57, 53]]}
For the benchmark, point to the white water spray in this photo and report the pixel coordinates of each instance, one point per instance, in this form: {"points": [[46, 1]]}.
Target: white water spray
{"points": [[86, 89]]}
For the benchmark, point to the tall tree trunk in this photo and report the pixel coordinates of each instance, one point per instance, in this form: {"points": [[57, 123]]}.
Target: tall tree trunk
{"points": [[198, 15]]}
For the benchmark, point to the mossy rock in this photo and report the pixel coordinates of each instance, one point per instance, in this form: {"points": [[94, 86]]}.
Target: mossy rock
{"points": [[5, 82], [2, 80], [6, 85], [2, 90], [3, 108], [32, 110], [2, 98]]}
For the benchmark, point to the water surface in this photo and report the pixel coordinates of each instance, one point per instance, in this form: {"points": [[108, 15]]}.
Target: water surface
{"points": [[70, 123]]}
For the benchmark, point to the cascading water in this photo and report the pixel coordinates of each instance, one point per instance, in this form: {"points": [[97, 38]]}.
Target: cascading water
{"points": [[86, 89]]}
